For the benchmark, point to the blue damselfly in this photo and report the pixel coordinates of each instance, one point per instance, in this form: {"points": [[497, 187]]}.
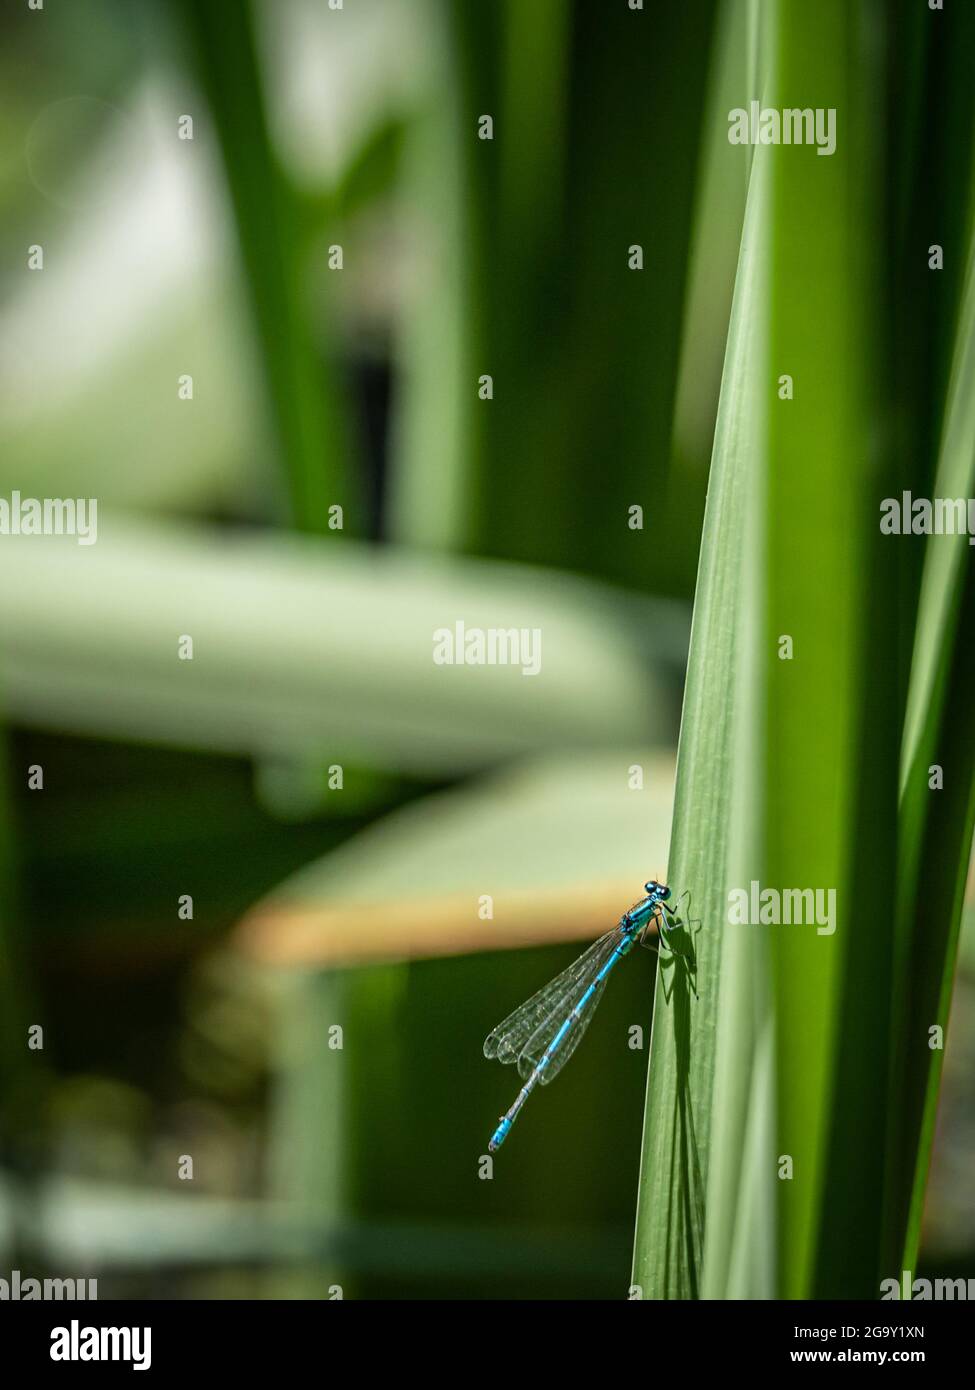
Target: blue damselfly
{"points": [[543, 1033]]}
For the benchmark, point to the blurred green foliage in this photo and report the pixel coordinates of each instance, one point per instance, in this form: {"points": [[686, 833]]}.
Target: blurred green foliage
{"points": [[311, 388], [596, 134], [314, 387]]}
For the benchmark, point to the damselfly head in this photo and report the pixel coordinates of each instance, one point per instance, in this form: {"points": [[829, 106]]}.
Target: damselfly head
{"points": [[657, 890]]}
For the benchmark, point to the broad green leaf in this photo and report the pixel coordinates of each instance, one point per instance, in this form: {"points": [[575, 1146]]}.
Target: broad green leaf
{"points": [[780, 1057]]}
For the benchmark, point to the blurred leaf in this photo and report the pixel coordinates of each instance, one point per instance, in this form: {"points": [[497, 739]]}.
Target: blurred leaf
{"points": [[197, 457], [597, 115], [372, 172], [712, 261], [14, 992], [556, 844], [304, 648], [935, 826], [313, 434]]}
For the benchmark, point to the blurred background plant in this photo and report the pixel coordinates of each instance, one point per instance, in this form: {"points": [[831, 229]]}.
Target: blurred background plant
{"points": [[336, 259]]}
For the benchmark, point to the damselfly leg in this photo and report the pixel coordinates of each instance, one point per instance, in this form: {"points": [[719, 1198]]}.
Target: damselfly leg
{"points": [[674, 932]]}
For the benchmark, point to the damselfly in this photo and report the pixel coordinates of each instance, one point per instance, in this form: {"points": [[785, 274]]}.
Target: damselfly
{"points": [[543, 1033]]}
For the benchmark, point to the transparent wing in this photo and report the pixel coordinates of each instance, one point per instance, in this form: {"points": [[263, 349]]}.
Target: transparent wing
{"points": [[531, 1054], [509, 1039]]}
